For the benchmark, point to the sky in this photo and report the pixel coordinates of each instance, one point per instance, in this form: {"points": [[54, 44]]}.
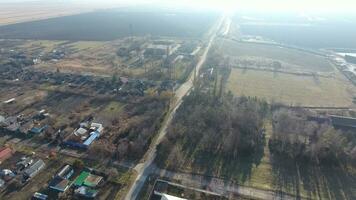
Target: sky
{"points": [[309, 6], [257, 5]]}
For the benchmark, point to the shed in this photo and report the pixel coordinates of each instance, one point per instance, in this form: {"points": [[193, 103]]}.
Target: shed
{"points": [[170, 197], [2, 119], [10, 101], [40, 196], [66, 172], [80, 131], [5, 153], [86, 192], [35, 130], [34, 169]]}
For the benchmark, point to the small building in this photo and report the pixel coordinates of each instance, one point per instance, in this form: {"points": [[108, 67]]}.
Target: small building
{"points": [[39, 196], [24, 163], [96, 127], [12, 100], [37, 130], [5, 153], [2, 120], [60, 182], [34, 169], [2, 183], [170, 197], [88, 179], [91, 138], [80, 132], [351, 58], [66, 172], [156, 50], [86, 192], [343, 122]]}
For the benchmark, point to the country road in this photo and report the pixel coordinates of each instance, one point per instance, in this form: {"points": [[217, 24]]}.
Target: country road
{"points": [[144, 169]]}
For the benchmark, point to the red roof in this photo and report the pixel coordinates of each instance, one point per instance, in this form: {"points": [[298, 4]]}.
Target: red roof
{"points": [[5, 152]]}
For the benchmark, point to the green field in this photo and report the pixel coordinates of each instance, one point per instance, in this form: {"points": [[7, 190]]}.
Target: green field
{"points": [[297, 58], [291, 89]]}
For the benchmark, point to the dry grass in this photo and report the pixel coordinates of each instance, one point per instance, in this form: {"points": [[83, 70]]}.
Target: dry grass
{"points": [[295, 58], [11, 13], [291, 89]]}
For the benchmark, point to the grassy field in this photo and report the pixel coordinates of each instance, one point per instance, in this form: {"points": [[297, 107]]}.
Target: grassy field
{"points": [[296, 58], [291, 89]]}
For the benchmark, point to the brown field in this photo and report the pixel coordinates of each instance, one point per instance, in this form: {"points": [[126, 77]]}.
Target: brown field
{"points": [[11, 13]]}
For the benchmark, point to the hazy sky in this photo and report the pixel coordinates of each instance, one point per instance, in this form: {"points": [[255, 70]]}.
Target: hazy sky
{"points": [[258, 5], [309, 6]]}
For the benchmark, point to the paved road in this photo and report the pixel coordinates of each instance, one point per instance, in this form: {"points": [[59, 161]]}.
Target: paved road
{"points": [[146, 168]]}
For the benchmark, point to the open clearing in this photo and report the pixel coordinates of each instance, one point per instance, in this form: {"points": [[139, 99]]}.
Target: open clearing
{"points": [[291, 89], [296, 58]]}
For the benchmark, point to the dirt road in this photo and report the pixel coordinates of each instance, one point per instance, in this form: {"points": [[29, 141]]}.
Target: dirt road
{"points": [[145, 168], [220, 186]]}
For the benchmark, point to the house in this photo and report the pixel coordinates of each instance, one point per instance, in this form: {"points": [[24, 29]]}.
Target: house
{"points": [[83, 137], [343, 122], [34, 169], [5, 153], [92, 180], [88, 179], [60, 182], [80, 179], [66, 172]]}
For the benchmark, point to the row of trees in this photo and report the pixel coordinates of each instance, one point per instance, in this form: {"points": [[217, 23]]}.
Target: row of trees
{"points": [[298, 138]]}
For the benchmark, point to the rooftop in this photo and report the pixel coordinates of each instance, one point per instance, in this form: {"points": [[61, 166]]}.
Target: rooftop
{"points": [[343, 121], [59, 184], [81, 178], [92, 180]]}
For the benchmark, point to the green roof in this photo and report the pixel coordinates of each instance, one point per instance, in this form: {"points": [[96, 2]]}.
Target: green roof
{"points": [[80, 179]]}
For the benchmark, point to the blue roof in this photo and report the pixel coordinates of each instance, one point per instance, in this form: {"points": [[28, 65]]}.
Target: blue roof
{"points": [[92, 137], [38, 130]]}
